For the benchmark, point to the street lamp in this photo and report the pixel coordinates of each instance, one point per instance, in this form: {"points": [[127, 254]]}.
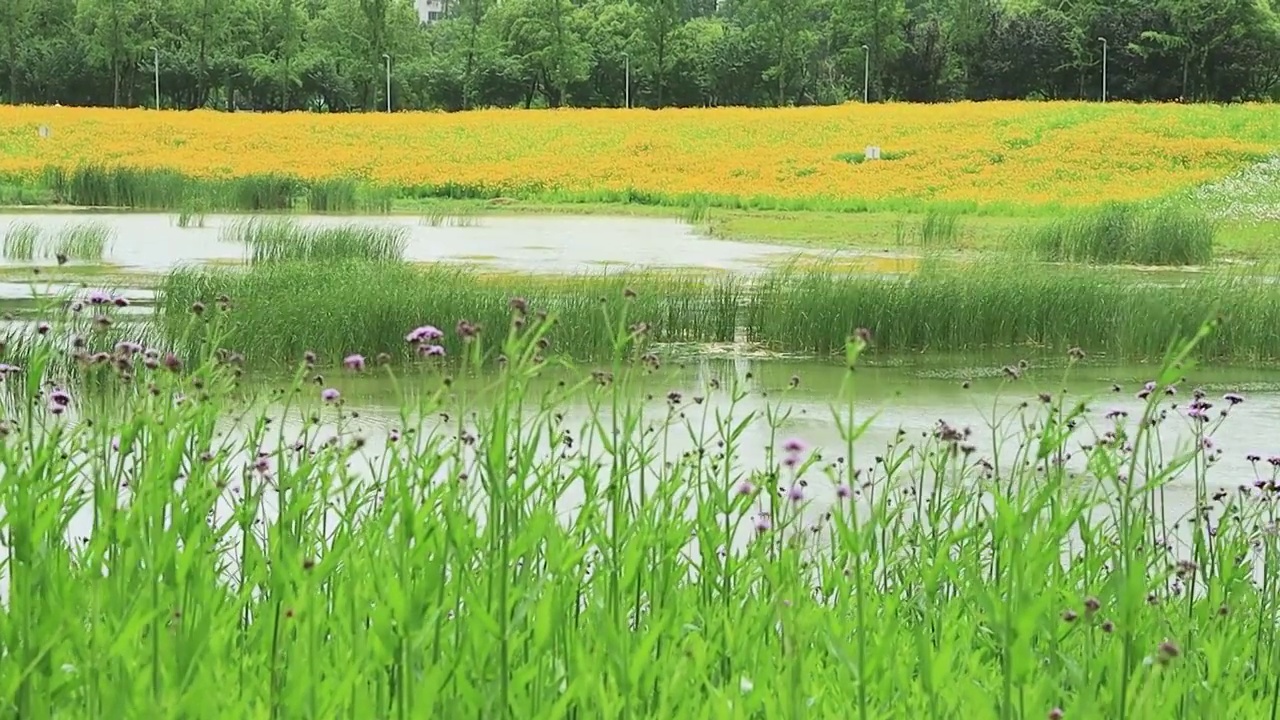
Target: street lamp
{"points": [[626, 64], [1104, 68], [387, 57], [866, 72], [156, 67]]}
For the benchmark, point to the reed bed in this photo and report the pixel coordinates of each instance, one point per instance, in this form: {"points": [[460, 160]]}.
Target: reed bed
{"points": [[21, 240], [455, 218], [522, 554], [282, 310], [1124, 234], [274, 240], [81, 241], [981, 308], [993, 304]]}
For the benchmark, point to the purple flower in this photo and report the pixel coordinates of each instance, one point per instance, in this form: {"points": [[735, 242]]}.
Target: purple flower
{"points": [[794, 446], [59, 397], [1198, 414], [424, 333], [56, 409], [330, 395], [1233, 398], [763, 523], [121, 301], [43, 328], [354, 362], [844, 492], [745, 488], [1116, 414], [431, 351], [98, 297], [795, 493]]}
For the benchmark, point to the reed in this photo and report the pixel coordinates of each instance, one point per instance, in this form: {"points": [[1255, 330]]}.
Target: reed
{"points": [[81, 241], [530, 553], [455, 218], [162, 189], [282, 310], [1126, 234], [273, 240], [996, 304], [988, 308], [21, 240]]}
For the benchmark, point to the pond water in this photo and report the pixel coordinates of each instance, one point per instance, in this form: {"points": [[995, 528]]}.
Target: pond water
{"points": [[553, 244]]}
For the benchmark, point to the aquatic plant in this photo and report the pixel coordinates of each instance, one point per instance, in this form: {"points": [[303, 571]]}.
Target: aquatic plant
{"points": [[284, 309], [1125, 234], [540, 552], [270, 240], [81, 241], [21, 240]]}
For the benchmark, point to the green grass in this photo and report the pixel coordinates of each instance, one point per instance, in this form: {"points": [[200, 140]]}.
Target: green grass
{"points": [[21, 240], [282, 310], [273, 240], [1119, 234], [990, 307], [81, 241], [461, 218], [993, 304], [629, 561]]}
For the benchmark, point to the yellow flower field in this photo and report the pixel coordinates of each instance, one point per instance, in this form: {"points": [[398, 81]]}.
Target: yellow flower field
{"points": [[1005, 152]]}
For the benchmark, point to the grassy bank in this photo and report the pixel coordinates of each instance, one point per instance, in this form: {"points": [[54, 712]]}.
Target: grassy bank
{"points": [[982, 307], [513, 561]]}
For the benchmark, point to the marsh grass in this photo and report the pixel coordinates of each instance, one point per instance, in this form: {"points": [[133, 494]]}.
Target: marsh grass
{"points": [[935, 231], [158, 189], [1126, 234], [996, 303], [21, 240], [514, 560], [190, 219], [282, 310], [456, 218], [81, 241], [988, 307], [273, 240]]}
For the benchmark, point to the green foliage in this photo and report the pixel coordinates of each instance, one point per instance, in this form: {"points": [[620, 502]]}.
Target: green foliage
{"points": [[521, 548], [330, 55], [21, 240], [281, 310], [993, 305], [81, 241], [274, 240], [1120, 234]]}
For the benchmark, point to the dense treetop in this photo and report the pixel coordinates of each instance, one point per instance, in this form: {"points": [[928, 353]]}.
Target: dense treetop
{"points": [[332, 54]]}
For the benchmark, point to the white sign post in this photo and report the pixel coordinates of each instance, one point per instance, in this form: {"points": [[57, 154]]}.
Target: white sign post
{"points": [[873, 152], [43, 131]]}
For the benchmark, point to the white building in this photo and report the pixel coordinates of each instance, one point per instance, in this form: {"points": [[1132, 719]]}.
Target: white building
{"points": [[430, 10]]}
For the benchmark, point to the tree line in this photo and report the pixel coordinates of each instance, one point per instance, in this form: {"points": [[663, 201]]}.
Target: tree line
{"points": [[334, 55]]}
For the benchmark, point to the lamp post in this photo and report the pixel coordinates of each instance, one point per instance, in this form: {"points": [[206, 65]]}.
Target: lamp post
{"points": [[1104, 68], [866, 73], [626, 65], [387, 57], [156, 68]]}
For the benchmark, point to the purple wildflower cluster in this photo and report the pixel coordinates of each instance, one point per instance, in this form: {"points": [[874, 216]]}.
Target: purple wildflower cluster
{"points": [[425, 339]]}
